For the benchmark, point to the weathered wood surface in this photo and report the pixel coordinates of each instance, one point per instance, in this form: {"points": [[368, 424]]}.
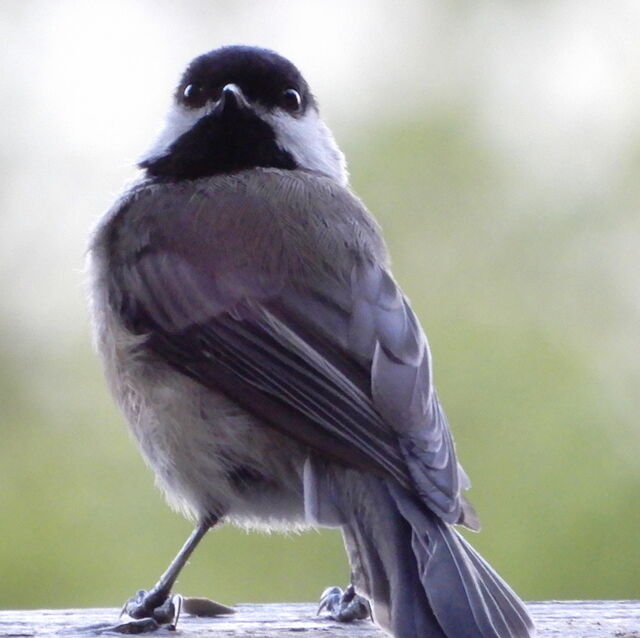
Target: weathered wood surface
{"points": [[591, 619]]}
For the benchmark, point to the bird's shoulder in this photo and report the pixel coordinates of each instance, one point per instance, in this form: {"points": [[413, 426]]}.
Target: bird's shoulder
{"points": [[267, 219]]}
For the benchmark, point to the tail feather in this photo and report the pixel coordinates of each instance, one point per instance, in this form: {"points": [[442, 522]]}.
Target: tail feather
{"points": [[383, 569], [501, 592], [422, 578], [467, 596]]}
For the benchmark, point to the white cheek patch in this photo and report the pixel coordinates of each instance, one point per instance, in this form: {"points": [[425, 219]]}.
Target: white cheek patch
{"points": [[178, 121], [307, 138], [310, 142]]}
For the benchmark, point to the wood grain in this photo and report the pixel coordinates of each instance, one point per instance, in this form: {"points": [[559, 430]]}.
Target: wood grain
{"points": [[569, 619]]}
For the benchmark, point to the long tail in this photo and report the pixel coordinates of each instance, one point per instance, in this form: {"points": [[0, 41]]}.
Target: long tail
{"points": [[465, 594], [422, 578]]}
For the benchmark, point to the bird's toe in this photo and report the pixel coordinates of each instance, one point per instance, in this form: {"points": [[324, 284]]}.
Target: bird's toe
{"points": [[344, 606]]}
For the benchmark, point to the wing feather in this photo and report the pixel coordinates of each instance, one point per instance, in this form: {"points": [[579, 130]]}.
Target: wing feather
{"points": [[336, 360]]}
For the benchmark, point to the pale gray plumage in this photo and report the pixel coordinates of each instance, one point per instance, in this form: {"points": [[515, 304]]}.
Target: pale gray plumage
{"points": [[274, 374]]}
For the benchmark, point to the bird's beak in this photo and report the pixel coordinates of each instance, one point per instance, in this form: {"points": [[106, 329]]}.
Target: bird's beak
{"points": [[232, 99]]}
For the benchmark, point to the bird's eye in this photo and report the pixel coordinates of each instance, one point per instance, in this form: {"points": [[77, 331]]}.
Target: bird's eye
{"points": [[291, 101], [191, 94]]}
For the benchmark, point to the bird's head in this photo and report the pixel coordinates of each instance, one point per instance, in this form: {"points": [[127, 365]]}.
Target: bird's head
{"points": [[237, 108]]}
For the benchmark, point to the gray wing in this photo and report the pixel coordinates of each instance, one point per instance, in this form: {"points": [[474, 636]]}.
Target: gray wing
{"points": [[339, 363]]}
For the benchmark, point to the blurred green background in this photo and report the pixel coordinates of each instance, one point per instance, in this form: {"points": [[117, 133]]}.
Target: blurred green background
{"points": [[498, 143]]}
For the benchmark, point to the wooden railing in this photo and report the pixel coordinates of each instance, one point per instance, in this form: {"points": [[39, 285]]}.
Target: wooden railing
{"points": [[569, 619]]}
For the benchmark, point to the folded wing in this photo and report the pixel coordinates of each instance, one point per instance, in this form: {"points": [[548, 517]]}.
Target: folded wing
{"points": [[337, 361]]}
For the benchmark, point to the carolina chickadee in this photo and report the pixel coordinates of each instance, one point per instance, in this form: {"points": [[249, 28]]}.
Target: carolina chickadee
{"points": [[268, 364]]}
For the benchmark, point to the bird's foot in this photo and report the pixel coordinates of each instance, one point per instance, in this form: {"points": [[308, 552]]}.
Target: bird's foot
{"points": [[344, 606], [150, 611]]}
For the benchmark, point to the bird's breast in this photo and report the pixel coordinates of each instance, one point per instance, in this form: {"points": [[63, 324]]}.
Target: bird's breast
{"points": [[209, 455]]}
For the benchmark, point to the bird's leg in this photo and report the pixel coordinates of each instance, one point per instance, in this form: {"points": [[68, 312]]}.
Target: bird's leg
{"points": [[156, 607], [344, 606]]}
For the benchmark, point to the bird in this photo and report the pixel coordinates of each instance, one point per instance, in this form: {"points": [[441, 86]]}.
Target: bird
{"points": [[268, 364]]}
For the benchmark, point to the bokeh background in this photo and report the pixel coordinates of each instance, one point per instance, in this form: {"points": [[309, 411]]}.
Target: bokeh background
{"points": [[498, 143]]}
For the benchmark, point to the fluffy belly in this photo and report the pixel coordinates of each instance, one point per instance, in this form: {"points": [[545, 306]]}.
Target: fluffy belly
{"points": [[210, 457]]}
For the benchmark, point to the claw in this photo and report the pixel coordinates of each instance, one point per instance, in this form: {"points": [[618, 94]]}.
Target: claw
{"points": [[135, 600], [150, 604], [176, 604], [344, 606], [150, 610], [145, 618], [169, 612], [149, 613], [329, 599]]}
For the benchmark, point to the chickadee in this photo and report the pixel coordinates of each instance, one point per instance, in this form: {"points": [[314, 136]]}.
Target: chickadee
{"points": [[268, 364]]}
